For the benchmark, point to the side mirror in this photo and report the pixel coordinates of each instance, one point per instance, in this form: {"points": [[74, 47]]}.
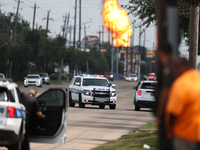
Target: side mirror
{"points": [[135, 88], [77, 84], [113, 85]]}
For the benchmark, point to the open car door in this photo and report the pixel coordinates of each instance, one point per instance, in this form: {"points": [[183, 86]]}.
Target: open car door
{"points": [[51, 128]]}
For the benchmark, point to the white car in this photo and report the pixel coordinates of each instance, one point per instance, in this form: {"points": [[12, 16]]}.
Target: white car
{"points": [[51, 129], [132, 77], [45, 78], [92, 90], [33, 79], [144, 94]]}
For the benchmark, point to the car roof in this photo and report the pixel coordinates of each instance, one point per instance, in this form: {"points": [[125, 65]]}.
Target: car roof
{"points": [[148, 81], [90, 77], [33, 75], [7, 83]]}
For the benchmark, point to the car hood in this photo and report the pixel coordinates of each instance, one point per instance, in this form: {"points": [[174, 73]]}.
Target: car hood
{"points": [[100, 88], [33, 79]]}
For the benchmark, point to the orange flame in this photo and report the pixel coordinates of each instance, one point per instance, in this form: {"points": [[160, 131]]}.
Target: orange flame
{"points": [[117, 21]]}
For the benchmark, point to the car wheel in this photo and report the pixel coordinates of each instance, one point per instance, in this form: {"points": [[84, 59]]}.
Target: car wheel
{"points": [[102, 106], [18, 144], [81, 105], [40, 86], [112, 106], [71, 104], [137, 108], [25, 86]]}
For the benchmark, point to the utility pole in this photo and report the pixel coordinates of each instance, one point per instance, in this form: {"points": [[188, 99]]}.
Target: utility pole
{"points": [[70, 40], [64, 25], [102, 35], [193, 33], [74, 42], [34, 16], [132, 44], [16, 19], [79, 23], [85, 34], [99, 40], [67, 24], [144, 37]]}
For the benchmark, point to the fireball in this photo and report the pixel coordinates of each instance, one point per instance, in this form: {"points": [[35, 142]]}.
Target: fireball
{"points": [[116, 20]]}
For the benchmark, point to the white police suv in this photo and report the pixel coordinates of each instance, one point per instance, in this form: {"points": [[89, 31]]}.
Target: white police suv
{"points": [[12, 116], [50, 129], [92, 90]]}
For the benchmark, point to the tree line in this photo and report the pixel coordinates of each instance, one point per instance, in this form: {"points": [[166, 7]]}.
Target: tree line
{"points": [[33, 51]]}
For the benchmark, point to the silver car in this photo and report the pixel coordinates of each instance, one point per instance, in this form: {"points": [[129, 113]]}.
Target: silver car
{"points": [[132, 77], [144, 94], [2, 76], [45, 78], [33, 79]]}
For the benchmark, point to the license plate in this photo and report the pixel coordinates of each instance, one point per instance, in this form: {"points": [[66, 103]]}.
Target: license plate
{"points": [[101, 101]]}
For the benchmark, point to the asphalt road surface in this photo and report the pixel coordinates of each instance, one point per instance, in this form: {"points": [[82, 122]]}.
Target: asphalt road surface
{"points": [[90, 127]]}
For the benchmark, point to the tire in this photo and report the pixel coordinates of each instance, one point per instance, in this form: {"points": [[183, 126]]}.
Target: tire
{"points": [[71, 104], [18, 144], [112, 106], [102, 106], [137, 108], [25, 86], [40, 86], [81, 105]]}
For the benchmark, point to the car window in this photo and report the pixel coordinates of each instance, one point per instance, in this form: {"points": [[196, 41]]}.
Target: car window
{"points": [[148, 86], [13, 93], [95, 82], [78, 80], [19, 94], [52, 98], [73, 80], [133, 75], [6, 96], [1, 76], [33, 77], [43, 75]]}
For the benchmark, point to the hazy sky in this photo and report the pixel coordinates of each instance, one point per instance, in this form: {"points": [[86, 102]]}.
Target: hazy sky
{"points": [[91, 10]]}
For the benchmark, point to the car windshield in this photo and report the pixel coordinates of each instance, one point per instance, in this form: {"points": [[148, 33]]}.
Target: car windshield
{"points": [[95, 82], [148, 86], [133, 75], [1, 76], [43, 75], [33, 77]]}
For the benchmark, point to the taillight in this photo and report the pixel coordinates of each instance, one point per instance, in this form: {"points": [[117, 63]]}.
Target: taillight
{"points": [[10, 111], [139, 92], [151, 77]]}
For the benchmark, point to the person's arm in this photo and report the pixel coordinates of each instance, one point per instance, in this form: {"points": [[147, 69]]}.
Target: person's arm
{"points": [[40, 115], [169, 126]]}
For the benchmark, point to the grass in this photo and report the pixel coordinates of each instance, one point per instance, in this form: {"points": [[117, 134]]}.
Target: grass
{"points": [[134, 140], [149, 126]]}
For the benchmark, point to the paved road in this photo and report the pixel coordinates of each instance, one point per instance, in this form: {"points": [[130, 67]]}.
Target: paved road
{"points": [[90, 127]]}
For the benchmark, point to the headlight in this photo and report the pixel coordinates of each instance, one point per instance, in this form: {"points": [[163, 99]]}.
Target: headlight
{"points": [[126, 78], [25, 81], [111, 76], [87, 92], [46, 78], [113, 93]]}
